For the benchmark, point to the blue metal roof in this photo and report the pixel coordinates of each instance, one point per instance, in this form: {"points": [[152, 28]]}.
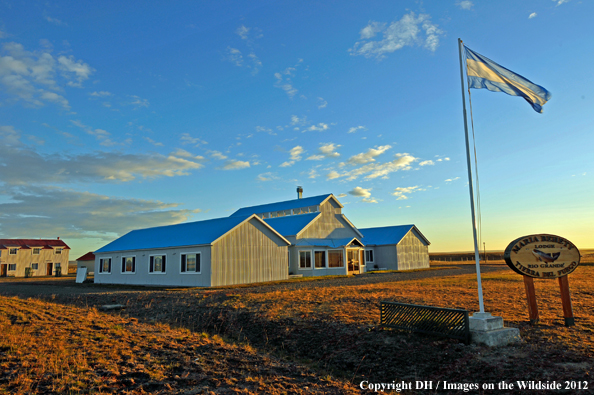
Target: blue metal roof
{"points": [[387, 235], [291, 224], [286, 205], [333, 243], [186, 234]]}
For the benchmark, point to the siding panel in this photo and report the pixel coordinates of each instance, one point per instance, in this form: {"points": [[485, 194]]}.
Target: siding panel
{"points": [[250, 253]]}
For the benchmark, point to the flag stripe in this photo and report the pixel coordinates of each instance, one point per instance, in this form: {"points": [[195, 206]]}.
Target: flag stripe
{"points": [[481, 70]]}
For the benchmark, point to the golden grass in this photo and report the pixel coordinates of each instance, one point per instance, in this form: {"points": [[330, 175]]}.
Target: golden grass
{"points": [[49, 348]]}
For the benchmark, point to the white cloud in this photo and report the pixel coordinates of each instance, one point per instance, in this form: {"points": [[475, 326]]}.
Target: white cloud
{"points": [[101, 94], [153, 142], [342, 195], [322, 103], [402, 193], [296, 152], [33, 76], [374, 170], [332, 175], [22, 165], [284, 80], [54, 21], [353, 130], [187, 139], [465, 4], [326, 151], [242, 32], [405, 32], [235, 165], [267, 177], [70, 66], [138, 102], [217, 155], [371, 30], [70, 214], [369, 200], [559, 2], [369, 156], [361, 192], [533, 15], [426, 163], [320, 127], [452, 179], [234, 56], [313, 173]]}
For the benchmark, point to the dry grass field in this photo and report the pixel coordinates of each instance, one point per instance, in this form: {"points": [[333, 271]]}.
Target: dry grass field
{"points": [[305, 337]]}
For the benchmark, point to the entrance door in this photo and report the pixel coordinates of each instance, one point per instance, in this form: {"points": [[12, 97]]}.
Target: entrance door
{"points": [[353, 261], [3, 270], [49, 268]]}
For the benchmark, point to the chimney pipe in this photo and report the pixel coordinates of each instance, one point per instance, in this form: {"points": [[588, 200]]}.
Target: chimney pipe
{"points": [[299, 192]]}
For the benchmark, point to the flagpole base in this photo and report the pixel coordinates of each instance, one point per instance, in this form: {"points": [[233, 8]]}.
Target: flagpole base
{"points": [[489, 330]]}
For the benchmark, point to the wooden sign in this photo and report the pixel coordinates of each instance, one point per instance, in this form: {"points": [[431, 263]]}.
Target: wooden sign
{"points": [[542, 256]]}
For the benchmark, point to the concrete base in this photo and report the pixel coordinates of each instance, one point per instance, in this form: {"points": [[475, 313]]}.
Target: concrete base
{"points": [[489, 330]]}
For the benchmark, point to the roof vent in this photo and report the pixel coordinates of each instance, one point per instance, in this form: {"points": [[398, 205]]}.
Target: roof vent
{"points": [[299, 192]]}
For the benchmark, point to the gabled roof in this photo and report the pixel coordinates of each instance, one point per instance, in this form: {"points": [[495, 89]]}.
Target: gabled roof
{"points": [[291, 225], [30, 243], [388, 235], [180, 235], [89, 256], [286, 205], [332, 243]]}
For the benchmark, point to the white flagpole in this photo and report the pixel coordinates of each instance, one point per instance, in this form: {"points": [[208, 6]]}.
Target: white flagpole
{"points": [[476, 250]]}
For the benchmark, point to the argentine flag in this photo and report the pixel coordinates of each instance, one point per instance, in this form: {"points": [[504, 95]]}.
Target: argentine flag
{"points": [[482, 72]]}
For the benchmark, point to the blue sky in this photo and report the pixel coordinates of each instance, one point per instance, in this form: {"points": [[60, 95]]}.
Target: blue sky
{"points": [[123, 115]]}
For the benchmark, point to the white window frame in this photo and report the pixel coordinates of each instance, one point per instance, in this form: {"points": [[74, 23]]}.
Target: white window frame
{"points": [[15, 249], [38, 251], [12, 264], [343, 258], [133, 264], [372, 256], [101, 271], [58, 251], [166, 264], [311, 262], [198, 254], [35, 268], [325, 259]]}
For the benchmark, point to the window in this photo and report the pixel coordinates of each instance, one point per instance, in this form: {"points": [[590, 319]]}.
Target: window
{"points": [[304, 259], [335, 258], [13, 251], [157, 264], [369, 256], [105, 265], [36, 251], [266, 215], [35, 266], [190, 263], [320, 257], [280, 213], [273, 214], [11, 267], [128, 264], [58, 251]]}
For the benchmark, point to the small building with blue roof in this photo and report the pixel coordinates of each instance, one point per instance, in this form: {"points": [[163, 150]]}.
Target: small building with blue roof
{"points": [[401, 247], [216, 252]]}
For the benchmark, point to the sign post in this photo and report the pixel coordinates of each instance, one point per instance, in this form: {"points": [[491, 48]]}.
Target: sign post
{"points": [[548, 257]]}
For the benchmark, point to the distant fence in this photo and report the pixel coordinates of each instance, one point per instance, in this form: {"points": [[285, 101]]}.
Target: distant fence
{"points": [[452, 323], [465, 257]]}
